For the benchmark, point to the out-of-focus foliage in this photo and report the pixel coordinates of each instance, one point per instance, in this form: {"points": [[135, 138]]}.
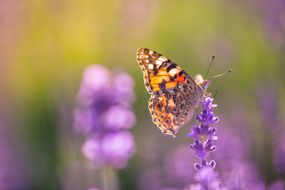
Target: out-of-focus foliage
{"points": [[46, 45]]}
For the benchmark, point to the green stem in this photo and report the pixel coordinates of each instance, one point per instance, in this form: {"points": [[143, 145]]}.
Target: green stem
{"points": [[109, 179]]}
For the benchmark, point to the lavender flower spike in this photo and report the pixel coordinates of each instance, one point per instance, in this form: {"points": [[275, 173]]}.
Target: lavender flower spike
{"points": [[204, 135], [104, 115]]}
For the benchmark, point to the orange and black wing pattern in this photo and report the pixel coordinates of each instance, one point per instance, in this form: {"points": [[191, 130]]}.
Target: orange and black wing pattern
{"points": [[159, 72], [173, 91]]}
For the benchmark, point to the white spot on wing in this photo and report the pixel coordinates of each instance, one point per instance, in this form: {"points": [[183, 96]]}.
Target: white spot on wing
{"points": [[173, 72], [158, 62], [162, 59], [150, 66]]}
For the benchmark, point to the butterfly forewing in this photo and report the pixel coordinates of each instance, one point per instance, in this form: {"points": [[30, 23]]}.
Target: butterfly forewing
{"points": [[160, 72]]}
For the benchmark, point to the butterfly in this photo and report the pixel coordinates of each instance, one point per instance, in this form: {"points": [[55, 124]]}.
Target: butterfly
{"points": [[174, 94]]}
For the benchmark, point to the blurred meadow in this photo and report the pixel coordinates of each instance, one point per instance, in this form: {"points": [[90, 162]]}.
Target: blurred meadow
{"points": [[46, 46]]}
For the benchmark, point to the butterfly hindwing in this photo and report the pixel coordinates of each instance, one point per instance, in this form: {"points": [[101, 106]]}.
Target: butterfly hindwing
{"points": [[172, 109]]}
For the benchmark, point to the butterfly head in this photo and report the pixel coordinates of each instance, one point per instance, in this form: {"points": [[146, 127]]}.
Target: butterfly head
{"points": [[203, 83]]}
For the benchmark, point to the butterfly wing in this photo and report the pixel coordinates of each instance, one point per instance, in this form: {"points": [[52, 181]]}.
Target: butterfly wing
{"points": [[174, 94], [160, 73], [174, 108]]}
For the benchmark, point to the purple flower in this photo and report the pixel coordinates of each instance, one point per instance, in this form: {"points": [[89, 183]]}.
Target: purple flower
{"points": [[273, 21], [278, 185], [177, 167], [203, 134], [242, 175], [270, 111], [205, 175], [207, 179], [119, 117], [268, 102], [150, 179], [103, 114], [236, 170]]}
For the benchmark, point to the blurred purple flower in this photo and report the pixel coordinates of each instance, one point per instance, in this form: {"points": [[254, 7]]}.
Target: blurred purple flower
{"points": [[150, 179], [119, 117], [203, 134], [236, 170], [207, 179], [177, 166], [123, 85], [270, 114], [279, 152], [104, 114], [242, 175], [274, 21], [234, 147], [268, 101], [237, 179], [278, 185], [205, 175], [114, 149]]}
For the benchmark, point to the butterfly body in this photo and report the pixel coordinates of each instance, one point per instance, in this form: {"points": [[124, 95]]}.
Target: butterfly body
{"points": [[174, 94]]}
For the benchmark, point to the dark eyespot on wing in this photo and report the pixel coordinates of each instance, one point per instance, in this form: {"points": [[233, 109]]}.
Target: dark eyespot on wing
{"points": [[172, 79], [162, 85]]}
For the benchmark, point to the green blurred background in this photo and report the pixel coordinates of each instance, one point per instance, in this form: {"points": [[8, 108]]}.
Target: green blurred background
{"points": [[45, 46]]}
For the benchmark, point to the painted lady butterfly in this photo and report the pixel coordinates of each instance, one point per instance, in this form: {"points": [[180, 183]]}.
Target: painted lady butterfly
{"points": [[174, 94]]}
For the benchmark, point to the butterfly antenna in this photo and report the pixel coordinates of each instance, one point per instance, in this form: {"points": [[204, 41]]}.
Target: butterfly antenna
{"points": [[216, 93], [213, 57], [227, 72]]}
